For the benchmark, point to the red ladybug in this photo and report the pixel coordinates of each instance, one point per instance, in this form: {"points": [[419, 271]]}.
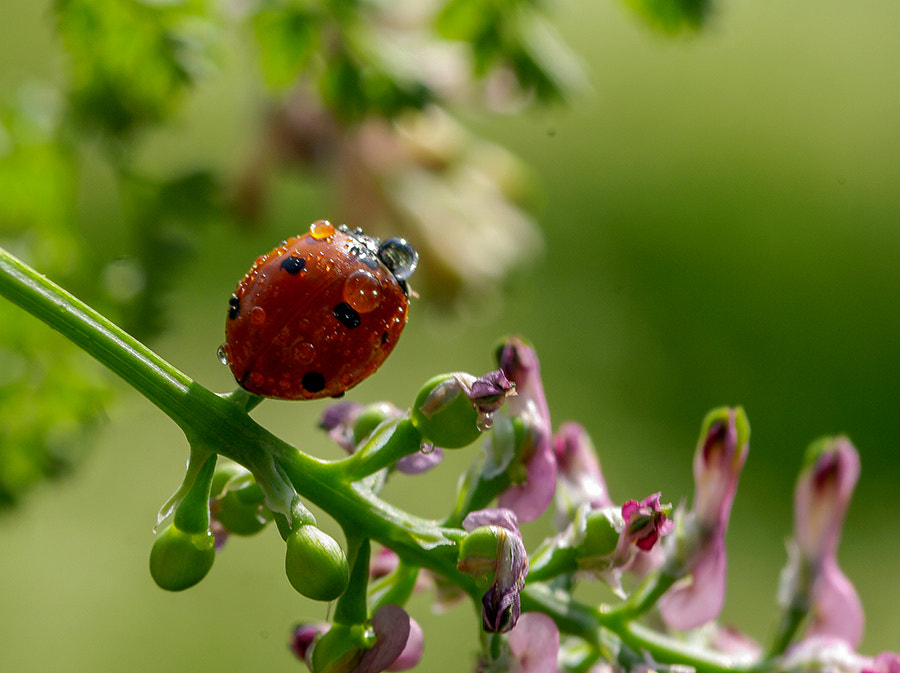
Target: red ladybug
{"points": [[319, 313]]}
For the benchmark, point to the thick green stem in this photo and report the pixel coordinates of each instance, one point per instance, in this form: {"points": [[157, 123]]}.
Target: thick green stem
{"points": [[221, 423]]}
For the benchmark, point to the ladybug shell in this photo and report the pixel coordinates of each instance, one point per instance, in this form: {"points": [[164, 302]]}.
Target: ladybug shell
{"points": [[314, 317]]}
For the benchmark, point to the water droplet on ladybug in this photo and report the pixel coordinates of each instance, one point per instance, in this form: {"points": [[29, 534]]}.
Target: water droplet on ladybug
{"points": [[304, 353], [321, 229], [222, 354], [362, 290], [399, 257], [258, 315], [257, 379]]}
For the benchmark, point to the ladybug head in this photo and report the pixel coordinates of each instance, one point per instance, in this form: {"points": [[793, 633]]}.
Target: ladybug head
{"points": [[399, 257]]}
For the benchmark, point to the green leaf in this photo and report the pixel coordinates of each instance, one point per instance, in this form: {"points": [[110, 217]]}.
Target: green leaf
{"points": [[288, 36], [673, 16], [129, 61]]}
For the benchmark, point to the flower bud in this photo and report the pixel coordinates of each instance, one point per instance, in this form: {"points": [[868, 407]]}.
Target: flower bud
{"points": [[371, 417], [315, 564], [179, 560], [339, 649], [479, 552], [241, 511], [600, 533], [444, 415]]}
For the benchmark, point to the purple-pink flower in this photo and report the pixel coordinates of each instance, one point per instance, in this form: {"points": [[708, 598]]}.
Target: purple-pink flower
{"points": [[534, 643], [699, 553], [812, 576], [506, 564], [398, 643], [646, 521], [533, 489], [580, 480]]}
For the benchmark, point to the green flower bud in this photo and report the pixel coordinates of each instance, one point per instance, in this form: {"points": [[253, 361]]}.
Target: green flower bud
{"points": [[444, 415], [315, 564], [371, 417], [600, 532], [179, 560], [479, 551], [339, 650], [240, 512]]}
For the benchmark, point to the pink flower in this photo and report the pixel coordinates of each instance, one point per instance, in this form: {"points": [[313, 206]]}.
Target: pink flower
{"points": [[812, 576], [581, 481], [532, 491], [700, 550], [495, 550], [646, 521], [535, 643]]}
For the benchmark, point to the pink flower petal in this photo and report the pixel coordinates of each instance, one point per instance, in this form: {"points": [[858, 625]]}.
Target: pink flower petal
{"points": [[693, 604], [535, 643]]}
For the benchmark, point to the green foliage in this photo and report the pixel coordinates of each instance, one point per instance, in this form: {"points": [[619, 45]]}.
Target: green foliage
{"points": [[673, 16], [129, 61]]}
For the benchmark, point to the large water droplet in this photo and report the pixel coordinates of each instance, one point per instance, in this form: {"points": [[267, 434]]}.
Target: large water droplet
{"points": [[222, 354], [258, 315], [399, 257], [304, 353], [362, 290], [321, 229]]}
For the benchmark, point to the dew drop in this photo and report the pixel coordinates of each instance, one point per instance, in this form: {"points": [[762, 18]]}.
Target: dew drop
{"points": [[304, 353], [485, 421], [258, 315], [321, 229], [222, 354], [426, 447], [399, 257], [257, 378], [362, 290]]}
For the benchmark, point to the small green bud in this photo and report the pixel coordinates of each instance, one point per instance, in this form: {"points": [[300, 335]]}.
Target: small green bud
{"points": [[370, 418], [600, 532], [315, 564], [179, 560], [339, 650], [479, 551], [444, 415], [240, 513]]}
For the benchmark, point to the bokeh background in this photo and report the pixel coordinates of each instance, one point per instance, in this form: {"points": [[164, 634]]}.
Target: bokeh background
{"points": [[721, 224]]}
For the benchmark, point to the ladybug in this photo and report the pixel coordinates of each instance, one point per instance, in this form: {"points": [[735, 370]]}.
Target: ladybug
{"points": [[319, 313]]}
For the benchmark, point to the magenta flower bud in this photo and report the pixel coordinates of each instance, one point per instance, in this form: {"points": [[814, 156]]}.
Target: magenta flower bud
{"points": [[532, 492], [494, 551], [580, 478], [304, 636], [700, 545], [718, 462], [812, 577], [646, 521]]}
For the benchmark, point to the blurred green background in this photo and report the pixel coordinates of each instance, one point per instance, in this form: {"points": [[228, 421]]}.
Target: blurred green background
{"points": [[721, 215]]}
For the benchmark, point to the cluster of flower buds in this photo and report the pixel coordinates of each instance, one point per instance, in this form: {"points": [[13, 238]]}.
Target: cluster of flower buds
{"points": [[666, 566]]}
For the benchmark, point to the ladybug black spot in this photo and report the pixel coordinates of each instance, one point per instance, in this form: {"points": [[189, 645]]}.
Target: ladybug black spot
{"points": [[234, 307], [347, 315], [384, 338], [313, 381], [293, 265]]}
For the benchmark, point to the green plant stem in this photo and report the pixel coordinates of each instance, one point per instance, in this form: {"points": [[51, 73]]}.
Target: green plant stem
{"points": [[221, 423], [351, 607]]}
